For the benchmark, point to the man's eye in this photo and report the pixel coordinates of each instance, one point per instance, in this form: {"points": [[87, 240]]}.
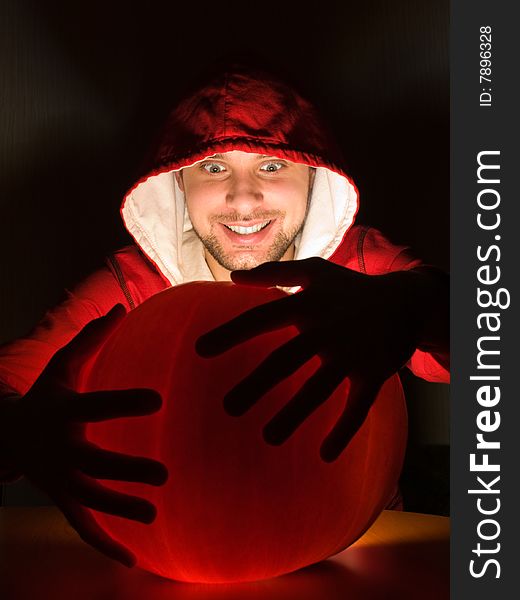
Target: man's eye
{"points": [[272, 167], [212, 168]]}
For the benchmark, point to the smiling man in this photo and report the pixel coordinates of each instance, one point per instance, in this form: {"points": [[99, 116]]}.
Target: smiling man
{"points": [[246, 184], [246, 209]]}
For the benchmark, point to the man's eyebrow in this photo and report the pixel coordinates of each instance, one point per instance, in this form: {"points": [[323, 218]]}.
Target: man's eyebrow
{"points": [[222, 157]]}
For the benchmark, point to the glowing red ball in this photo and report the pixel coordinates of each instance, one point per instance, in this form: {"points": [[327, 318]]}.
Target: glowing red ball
{"points": [[235, 508]]}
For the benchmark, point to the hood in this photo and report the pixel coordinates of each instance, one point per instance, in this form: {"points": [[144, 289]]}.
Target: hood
{"points": [[245, 110]]}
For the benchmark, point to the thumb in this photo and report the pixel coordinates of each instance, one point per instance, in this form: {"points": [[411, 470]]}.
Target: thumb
{"points": [[69, 359]]}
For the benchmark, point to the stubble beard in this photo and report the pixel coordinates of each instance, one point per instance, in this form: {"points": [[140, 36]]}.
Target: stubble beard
{"points": [[281, 243]]}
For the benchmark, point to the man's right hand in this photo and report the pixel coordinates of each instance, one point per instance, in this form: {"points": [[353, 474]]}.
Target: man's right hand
{"points": [[42, 435]]}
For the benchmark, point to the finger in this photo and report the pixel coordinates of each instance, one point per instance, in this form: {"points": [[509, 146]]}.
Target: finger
{"points": [[94, 495], [85, 343], [362, 395], [104, 464], [255, 321], [91, 533], [316, 390], [281, 363], [90, 407], [284, 273]]}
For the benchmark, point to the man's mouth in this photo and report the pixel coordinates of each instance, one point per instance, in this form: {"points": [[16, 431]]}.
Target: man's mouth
{"points": [[241, 234], [248, 230]]}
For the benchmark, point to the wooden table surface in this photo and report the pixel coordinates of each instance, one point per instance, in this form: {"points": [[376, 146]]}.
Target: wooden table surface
{"points": [[402, 556]]}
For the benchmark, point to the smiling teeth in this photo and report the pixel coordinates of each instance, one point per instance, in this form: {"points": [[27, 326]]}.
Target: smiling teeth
{"points": [[248, 230]]}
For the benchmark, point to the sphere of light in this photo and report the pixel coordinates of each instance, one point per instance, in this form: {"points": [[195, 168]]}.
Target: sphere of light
{"points": [[235, 508]]}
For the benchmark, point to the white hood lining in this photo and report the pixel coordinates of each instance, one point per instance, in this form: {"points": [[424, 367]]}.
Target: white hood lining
{"points": [[155, 215]]}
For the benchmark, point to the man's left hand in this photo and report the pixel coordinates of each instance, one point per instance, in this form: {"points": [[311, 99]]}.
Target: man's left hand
{"points": [[364, 327]]}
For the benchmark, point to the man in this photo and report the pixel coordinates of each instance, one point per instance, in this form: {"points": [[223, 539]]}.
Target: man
{"points": [[245, 177]]}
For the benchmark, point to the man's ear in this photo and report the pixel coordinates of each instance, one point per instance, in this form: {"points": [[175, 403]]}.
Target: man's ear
{"points": [[179, 180]]}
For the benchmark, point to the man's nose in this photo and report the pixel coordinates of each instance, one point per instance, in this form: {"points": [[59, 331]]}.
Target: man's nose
{"points": [[244, 192]]}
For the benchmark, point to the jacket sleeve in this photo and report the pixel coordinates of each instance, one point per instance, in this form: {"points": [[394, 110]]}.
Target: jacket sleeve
{"points": [[22, 360], [381, 256]]}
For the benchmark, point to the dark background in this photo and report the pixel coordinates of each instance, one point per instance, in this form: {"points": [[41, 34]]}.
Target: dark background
{"points": [[85, 86]]}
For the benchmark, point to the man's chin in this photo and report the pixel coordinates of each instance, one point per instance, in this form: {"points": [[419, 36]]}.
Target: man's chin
{"points": [[245, 258], [237, 263]]}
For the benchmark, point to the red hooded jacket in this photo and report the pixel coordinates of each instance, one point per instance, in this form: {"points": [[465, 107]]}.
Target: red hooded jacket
{"points": [[236, 110]]}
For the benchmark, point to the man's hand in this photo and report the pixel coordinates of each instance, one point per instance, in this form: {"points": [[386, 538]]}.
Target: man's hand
{"points": [[43, 438], [361, 326]]}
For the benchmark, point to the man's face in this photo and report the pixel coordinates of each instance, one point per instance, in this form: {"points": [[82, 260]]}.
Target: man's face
{"points": [[246, 208]]}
